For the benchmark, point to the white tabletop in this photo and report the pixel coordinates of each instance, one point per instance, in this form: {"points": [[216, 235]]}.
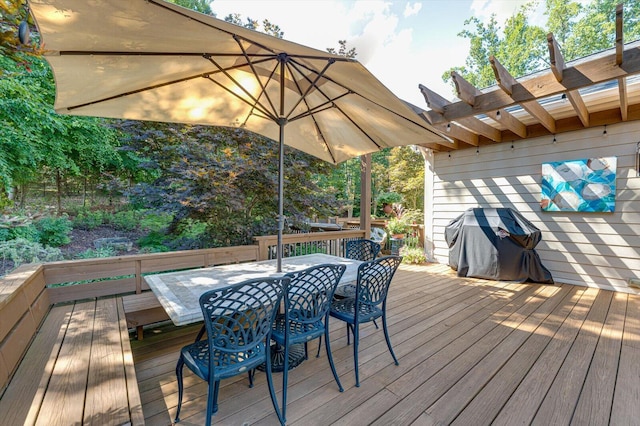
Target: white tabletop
{"points": [[179, 292]]}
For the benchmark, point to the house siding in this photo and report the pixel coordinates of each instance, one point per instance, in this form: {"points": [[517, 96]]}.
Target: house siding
{"points": [[593, 249]]}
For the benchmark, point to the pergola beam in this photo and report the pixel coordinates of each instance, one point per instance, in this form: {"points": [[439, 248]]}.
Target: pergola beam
{"points": [[468, 93], [574, 77], [506, 82], [439, 103], [557, 68], [622, 82]]}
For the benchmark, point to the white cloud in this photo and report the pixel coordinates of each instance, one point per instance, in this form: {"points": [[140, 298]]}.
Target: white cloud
{"points": [[412, 9]]}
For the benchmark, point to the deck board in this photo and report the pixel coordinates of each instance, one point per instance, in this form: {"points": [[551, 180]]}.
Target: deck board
{"points": [[471, 352]]}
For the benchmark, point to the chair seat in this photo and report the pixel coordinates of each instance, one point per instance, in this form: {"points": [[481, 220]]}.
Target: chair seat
{"points": [[348, 290], [196, 357], [344, 309], [298, 332]]}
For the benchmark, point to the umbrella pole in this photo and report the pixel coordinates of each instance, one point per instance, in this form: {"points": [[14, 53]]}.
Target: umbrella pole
{"points": [[281, 122]]}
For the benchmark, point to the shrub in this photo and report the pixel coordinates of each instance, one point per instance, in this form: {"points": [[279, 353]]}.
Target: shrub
{"points": [[88, 220], [105, 251], [26, 232], [413, 255], [156, 222], [21, 251], [127, 220], [54, 231], [153, 242]]}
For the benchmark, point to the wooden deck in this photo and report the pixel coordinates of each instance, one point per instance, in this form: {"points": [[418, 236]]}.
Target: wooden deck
{"points": [[471, 352]]}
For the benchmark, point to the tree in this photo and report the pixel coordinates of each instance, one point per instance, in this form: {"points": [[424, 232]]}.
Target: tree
{"points": [[35, 140], [484, 42], [595, 30], [406, 172], [342, 50], [228, 179], [202, 6], [14, 23]]}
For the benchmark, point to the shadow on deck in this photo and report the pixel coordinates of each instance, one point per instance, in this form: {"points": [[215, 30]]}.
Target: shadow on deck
{"points": [[470, 351]]}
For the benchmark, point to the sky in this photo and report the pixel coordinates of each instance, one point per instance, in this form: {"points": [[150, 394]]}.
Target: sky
{"points": [[403, 43]]}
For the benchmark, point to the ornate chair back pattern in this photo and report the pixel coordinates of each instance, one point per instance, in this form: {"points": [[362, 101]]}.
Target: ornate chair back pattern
{"points": [[311, 291], [364, 250], [307, 303], [374, 279], [238, 320], [369, 303]]}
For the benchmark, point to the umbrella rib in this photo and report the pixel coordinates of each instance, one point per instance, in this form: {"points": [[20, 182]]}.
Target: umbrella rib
{"points": [[256, 103], [317, 109], [416, 122], [319, 75], [256, 75], [144, 89]]}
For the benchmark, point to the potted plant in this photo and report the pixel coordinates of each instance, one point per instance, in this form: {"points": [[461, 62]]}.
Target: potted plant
{"points": [[387, 199], [398, 227]]}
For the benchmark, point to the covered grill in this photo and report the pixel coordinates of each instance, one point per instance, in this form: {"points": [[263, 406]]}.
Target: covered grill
{"points": [[495, 244]]}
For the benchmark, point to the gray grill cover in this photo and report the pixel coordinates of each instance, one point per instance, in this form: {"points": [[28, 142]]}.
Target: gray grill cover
{"points": [[495, 244]]}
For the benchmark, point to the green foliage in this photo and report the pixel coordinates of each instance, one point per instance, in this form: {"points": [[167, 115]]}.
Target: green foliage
{"points": [[152, 221], [127, 220], [105, 251], [581, 28], [388, 198], [412, 255], [27, 232], [398, 226], [21, 251], [153, 242], [226, 178], [88, 219], [54, 231]]}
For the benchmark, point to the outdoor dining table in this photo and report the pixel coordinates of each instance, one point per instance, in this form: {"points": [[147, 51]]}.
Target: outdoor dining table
{"points": [[179, 292]]}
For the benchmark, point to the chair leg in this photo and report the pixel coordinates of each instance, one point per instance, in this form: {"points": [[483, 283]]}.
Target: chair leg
{"points": [[272, 391], [285, 381], [327, 346], [180, 387], [348, 328], [212, 398], [251, 375], [386, 337], [319, 346], [216, 391], [356, 337]]}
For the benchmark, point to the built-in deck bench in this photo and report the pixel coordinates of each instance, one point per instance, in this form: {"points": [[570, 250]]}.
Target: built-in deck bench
{"points": [[77, 368]]}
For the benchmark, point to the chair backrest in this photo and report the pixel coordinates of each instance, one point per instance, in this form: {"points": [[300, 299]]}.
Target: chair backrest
{"points": [[364, 250], [310, 292], [374, 278], [238, 317]]}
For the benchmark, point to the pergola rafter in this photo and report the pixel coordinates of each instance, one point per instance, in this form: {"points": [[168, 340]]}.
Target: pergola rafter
{"points": [[536, 105]]}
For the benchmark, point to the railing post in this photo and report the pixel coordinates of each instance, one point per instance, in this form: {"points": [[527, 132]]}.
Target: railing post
{"points": [[138, 276]]}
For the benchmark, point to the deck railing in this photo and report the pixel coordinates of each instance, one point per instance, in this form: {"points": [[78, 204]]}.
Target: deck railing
{"points": [[27, 292]]}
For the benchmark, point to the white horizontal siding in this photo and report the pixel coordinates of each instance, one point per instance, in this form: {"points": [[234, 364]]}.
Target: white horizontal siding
{"points": [[594, 249]]}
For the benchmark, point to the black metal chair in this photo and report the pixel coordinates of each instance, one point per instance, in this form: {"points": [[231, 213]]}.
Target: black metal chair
{"points": [[369, 301], [238, 321], [306, 316], [363, 250]]}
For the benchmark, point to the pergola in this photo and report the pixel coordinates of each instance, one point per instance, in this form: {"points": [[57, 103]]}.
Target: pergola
{"points": [[597, 90]]}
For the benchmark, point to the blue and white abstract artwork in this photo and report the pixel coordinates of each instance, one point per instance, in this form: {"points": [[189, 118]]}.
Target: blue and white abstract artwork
{"points": [[587, 185]]}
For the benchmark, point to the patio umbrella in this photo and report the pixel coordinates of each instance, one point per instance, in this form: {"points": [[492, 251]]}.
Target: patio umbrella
{"points": [[152, 60]]}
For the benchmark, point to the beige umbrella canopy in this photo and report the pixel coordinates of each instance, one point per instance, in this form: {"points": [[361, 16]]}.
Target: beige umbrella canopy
{"points": [[152, 60]]}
